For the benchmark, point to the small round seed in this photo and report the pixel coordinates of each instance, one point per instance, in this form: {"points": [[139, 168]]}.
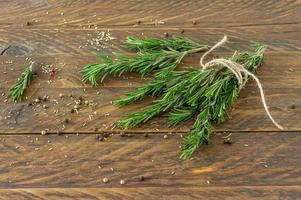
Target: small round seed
{"points": [[141, 178]]}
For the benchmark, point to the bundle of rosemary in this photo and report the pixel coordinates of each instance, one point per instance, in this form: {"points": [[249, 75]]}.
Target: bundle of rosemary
{"points": [[206, 93]]}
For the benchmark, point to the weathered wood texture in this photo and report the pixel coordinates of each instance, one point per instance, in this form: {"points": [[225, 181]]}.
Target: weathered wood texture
{"points": [[254, 159], [236, 193], [261, 163], [248, 113]]}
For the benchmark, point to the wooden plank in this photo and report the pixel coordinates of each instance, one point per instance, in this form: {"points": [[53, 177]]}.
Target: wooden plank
{"points": [[174, 13], [239, 193], [254, 159], [280, 76], [29, 41]]}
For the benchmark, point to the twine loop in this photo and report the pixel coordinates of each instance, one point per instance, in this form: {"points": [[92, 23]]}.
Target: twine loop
{"points": [[239, 71]]}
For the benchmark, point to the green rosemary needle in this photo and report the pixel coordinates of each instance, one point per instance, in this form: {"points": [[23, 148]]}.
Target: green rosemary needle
{"points": [[152, 43], [209, 92], [152, 57], [24, 81]]}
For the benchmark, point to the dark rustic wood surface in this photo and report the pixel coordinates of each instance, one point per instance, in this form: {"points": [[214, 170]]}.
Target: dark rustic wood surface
{"points": [[262, 162]]}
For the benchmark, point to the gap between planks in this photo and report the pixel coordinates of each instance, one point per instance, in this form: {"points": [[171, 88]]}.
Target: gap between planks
{"points": [[149, 132]]}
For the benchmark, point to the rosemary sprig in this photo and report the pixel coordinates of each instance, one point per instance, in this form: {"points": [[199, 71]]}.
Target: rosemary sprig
{"points": [[24, 80], [208, 92], [153, 56], [151, 43]]}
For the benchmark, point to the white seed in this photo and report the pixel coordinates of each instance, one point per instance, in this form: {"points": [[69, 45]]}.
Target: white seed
{"points": [[105, 180], [122, 182]]}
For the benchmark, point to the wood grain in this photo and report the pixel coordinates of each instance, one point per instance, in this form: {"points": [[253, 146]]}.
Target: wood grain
{"points": [[77, 42], [239, 193], [247, 115], [173, 13], [260, 164], [56, 161]]}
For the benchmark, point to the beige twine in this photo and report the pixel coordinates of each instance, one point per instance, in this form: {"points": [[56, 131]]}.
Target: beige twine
{"points": [[240, 73]]}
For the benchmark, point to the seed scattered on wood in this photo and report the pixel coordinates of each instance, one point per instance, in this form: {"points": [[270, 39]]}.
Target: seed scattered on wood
{"points": [[29, 104], [228, 141], [122, 182], [72, 110], [45, 98], [66, 120], [61, 95], [100, 138], [290, 69], [37, 100], [43, 132], [182, 31], [105, 180], [28, 23], [165, 136], [80, 98], [194, 22], [45, 106], [293, 106], [141, 178], [138, 22], [106, 135], [79, 102]]}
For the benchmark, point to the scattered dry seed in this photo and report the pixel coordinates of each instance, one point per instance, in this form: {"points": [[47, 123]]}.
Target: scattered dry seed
{"points": [[122, 182], [141, 178], [228, 141], [105, 180]]}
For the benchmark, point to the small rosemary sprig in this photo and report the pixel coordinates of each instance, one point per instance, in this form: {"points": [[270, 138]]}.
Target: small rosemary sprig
{"points": [[159, 55], [24, 81], [208, 92], [152, 43]]}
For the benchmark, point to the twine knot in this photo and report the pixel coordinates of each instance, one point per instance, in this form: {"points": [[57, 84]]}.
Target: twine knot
{"points": [[240, 72]]}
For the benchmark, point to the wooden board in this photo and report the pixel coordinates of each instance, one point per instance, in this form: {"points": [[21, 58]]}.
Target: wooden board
{"points": [[237, 193], [83, 161], [261, 163], [247, 114]]}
